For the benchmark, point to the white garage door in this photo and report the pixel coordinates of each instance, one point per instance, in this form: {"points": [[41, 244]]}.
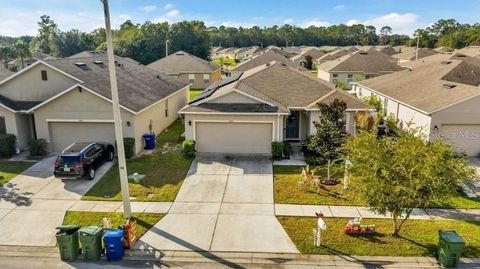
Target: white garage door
{"points": [[63, 134], [465, 138], [222, 137]]}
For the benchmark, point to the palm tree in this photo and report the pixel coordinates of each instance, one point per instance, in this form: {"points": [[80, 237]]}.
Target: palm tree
{"points": [[22, 51]]}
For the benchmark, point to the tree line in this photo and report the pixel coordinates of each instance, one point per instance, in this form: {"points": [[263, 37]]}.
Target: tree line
{"points": [[148, 42]]}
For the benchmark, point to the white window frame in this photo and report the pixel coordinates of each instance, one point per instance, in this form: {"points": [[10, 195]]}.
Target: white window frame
{"points": [[206, 78], [191, 78]]}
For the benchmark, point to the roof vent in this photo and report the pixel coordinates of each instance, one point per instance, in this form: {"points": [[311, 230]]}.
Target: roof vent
{"points": [[267, 64], [180, 53], [80, 64], [98, 62], [364, 53], [446, 62], [449, 86], [461, 55]]}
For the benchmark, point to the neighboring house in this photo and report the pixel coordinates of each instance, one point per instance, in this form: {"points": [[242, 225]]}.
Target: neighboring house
{"points": [[198, 72], [272, 102], [387, 50], [357, 66], [4, 73], [17, 63], [410, 54], [69, 100], [264, 58], [315, 53], [249, 51], [439, 94], [472, 51], [334, 55]]}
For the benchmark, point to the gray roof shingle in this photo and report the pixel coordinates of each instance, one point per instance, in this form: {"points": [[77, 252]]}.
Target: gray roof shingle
{"points": [[183, 62], [138, 86]]}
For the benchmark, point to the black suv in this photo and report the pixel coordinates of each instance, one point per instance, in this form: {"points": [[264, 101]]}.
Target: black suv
{"points": [[82, 159]]}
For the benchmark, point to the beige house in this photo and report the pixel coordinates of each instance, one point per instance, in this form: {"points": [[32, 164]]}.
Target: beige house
{"points": [[187, 67], [408, 54], [264, 58], [68, 100], [439, 95], [357, 66], [272, 102]]}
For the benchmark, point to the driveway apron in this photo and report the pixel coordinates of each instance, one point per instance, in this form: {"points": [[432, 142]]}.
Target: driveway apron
{"points": [[225, 204]]}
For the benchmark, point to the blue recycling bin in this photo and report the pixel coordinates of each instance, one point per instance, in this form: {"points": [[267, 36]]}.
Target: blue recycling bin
{"points": [[113, 241], [149, 140]]}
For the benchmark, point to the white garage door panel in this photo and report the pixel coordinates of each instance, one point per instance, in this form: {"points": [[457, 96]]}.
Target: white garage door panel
{"points": [[465, 138], [223, 137], [63, 134]]}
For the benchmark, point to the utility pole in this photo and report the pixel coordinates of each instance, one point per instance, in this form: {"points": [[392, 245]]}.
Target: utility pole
{"points": [[418, 42], [166, 47], [122, 165]]}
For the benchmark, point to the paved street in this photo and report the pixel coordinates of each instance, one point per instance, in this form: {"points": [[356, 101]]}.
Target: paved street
{"points": [[223, 205], [35, 201]]}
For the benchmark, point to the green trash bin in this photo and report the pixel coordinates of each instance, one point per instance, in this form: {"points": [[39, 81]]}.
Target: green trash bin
{"points": [[450, 248], [91, 241], [67, 239]]}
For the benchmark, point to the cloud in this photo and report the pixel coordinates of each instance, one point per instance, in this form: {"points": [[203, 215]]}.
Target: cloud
{"points": [[237, 24], [149, 8], [339, 7], [352, 22], [288, 21], [315, 22], [405, 23], [168, 6], [171, 16]]}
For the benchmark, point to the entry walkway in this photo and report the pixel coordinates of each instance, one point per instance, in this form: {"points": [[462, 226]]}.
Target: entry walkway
{"points": [[224, 204]]}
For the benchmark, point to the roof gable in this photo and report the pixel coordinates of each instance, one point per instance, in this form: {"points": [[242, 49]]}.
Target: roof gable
{"points": [[183, 62]]}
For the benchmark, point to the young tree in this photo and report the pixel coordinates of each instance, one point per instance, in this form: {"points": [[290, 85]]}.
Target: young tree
{"points": [[330, 136], [394, 175], [308, 62], [6, 54]]}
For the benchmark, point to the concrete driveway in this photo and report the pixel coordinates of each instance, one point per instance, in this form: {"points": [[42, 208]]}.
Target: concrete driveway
{"points": [[36, 202], [225, 204]]}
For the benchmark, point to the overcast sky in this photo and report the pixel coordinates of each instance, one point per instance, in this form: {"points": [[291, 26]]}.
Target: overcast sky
{"points": [[19, 17]]}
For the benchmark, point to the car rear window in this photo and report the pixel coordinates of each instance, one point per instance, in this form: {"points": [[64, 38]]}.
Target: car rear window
{"points": [[68, 160]]}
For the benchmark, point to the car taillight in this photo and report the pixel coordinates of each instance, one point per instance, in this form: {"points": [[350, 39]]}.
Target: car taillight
{"points": [[56, 164], [79, 165]]}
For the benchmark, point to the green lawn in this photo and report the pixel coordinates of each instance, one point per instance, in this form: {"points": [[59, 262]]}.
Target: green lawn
{"points": [[288, 191], [194, 93], [9, 170], [226, 62], [144, 220], [165, 170], [417, 237]]}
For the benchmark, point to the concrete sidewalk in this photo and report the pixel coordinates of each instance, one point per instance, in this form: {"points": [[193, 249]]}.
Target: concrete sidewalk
{"points": [[364, 212]]}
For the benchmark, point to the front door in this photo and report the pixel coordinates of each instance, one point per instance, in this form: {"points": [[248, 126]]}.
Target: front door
{"points": [[293, 126]]}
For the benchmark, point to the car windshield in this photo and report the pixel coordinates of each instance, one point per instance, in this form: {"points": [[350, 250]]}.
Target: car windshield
{"points": [[68, 160]]}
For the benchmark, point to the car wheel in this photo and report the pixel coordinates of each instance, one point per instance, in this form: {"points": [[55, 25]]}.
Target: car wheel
{"points": [[111, 156], [91, 174]]}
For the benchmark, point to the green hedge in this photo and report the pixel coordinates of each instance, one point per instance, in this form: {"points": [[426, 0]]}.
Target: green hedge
{"points": [[37, 147], [277, 150], [129, 147], [7, 145], [188, 149]]}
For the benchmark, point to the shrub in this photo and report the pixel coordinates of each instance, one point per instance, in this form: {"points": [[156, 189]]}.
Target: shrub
{"points": [[287, 148], [37, 147], [188, 149], [7, 145], [129, 147], [277, 150]]}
